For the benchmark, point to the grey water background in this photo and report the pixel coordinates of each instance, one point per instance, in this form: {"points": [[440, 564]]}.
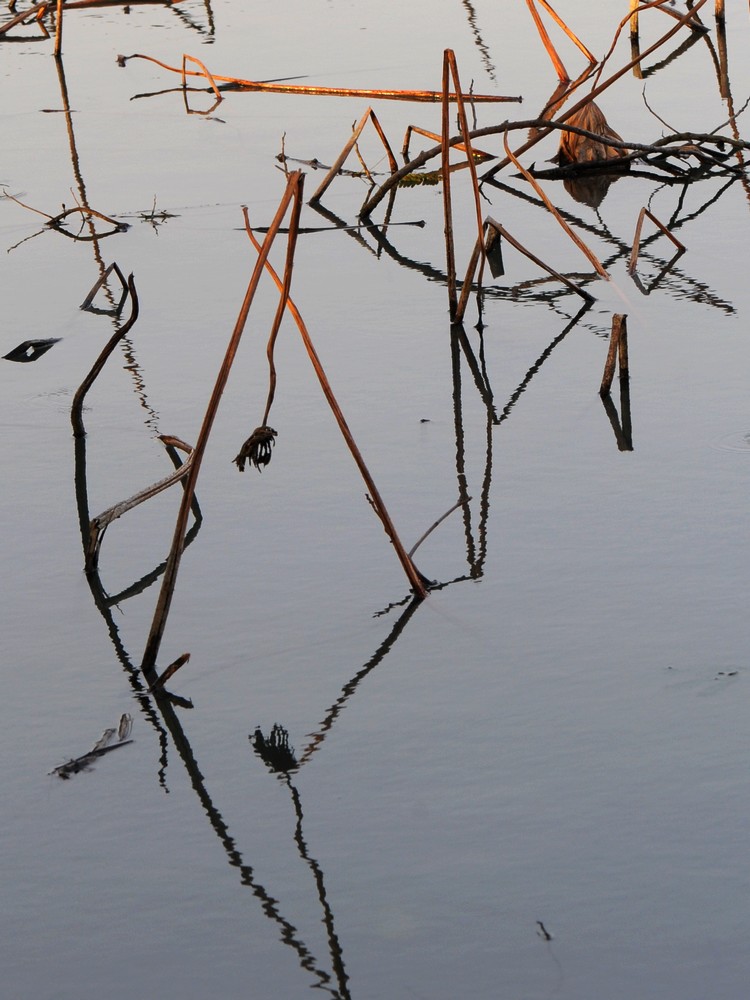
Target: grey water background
{"points": [[560, 735]]}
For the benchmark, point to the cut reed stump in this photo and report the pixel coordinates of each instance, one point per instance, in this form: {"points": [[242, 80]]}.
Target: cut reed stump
{"points": [[618, 349]]}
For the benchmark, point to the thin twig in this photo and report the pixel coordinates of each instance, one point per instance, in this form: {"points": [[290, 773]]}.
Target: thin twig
{"points": [[644, 213], [423, 537]]}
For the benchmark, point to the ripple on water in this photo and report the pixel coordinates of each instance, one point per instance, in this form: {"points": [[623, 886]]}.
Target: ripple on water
{"points": [[736, 441]]}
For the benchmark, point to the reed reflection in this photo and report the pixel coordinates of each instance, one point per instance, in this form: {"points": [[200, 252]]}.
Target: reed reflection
{"points": [[159, 707]]}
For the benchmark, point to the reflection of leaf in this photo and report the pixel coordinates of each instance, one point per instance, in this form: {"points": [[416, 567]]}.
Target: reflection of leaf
{"points": [[103, 745], [275, 751], [30, 350]]}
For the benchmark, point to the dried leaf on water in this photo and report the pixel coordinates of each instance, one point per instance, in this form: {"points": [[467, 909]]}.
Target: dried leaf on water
{"points": [[576, 148], [30, 350], [103, 745]]}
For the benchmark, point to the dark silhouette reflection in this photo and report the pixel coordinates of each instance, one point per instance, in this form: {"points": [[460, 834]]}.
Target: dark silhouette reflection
{"points": [[590, 190], [274, 750], [476, 547], [208, 31], [692, 38], [114, 306], [646, 289], [30, 350], [720, 60], [317, 738], [279, 757], [158, 707], [516, 394], [484, 51], [621, 425], [549, 290], [673, 281]]}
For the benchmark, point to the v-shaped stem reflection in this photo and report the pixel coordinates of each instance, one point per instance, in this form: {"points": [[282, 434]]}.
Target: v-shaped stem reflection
{"points": [[158, 708]]}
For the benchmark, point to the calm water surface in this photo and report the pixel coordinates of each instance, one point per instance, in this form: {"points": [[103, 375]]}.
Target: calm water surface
{"points": [[554, 744]]}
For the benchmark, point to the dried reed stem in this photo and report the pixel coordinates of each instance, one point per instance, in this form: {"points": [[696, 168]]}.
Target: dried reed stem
{"points": [[643, 214], [449, 59], [479, 154], [55, 221], [587, 296], [478, 252], [349, 145], [106, 273], [562, 73], [450, 250], [203, 72], [618, 345], [426, 96], [284, 298], [169, 580], [682, 21], [99, 524], [589, 254], [412, 573], [170, 671], [571, 34], [634, 8], [423, 537], [58, 29]]}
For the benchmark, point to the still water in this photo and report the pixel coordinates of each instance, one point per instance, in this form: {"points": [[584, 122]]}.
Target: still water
{"points": [[534, 784]]}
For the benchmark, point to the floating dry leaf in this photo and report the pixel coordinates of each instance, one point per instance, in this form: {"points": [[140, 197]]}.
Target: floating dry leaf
{"points": [[30, 350], [576, 148], [103, 745]]}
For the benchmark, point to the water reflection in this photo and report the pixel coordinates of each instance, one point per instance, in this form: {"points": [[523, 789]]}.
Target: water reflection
{"points": [[621, 424], [471, 17], [589, 184], [673, 280], [280, 759], [158, 707], [470, 375]]}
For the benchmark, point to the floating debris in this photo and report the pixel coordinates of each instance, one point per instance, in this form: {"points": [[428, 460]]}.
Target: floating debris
{"points": [[103, 745], [30, 350]]}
